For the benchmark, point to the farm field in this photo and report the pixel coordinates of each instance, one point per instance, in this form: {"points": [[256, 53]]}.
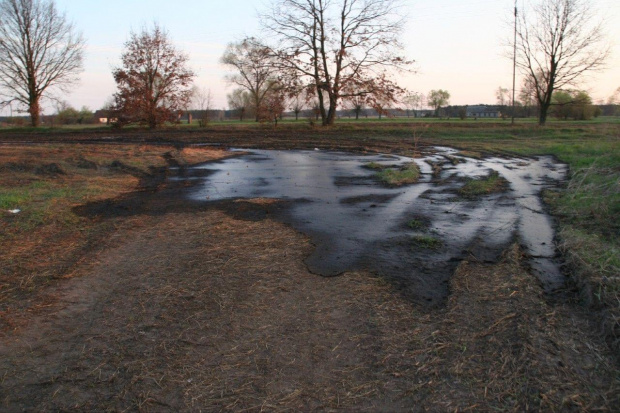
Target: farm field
{"points": [[118, 293]]}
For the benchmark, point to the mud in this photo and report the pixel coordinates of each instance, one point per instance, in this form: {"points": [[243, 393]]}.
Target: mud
{"points": [[356, 223], [185, 308]]}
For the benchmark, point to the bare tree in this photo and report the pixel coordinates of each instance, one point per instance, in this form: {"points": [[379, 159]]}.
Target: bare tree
{"points": [[39, 50], [356, 103], [154, 82], [239, 100], [382, 107], [315, 112], [502, 94], [338, 47], [438, 98], [413, 101], [557, 43], [298, 102], [614, 99], [203, 101], [253, 67]]}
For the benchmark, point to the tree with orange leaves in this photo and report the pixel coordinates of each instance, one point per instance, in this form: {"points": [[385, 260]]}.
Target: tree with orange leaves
{"points": [[154, 82]]}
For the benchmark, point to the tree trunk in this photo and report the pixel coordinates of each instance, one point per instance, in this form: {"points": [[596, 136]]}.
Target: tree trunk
{"points": [[544, 108], [321, 107], [35, 112], [331, 116], [331, 113], [257, 104], [152, 120], [542, 115]]}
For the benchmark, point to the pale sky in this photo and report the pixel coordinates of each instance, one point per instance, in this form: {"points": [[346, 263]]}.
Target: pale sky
{"points": [[457, 44]]}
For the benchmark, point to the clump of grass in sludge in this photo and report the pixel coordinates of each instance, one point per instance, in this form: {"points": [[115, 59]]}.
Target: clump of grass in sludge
{"points": [[487, 185], [406, 174], [426, 241], [468, 154], [454, 160], [375, 166], [416, 224]]}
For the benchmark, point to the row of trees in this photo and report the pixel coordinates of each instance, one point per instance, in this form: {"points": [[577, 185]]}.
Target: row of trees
{"points": [[68, 115], [577, 105], [342, 50], [324, 51], [565, 104], [327, 52], [245, 104]]}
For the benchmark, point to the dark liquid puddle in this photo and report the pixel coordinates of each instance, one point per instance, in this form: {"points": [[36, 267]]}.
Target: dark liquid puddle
{"points": [[414, 236]]}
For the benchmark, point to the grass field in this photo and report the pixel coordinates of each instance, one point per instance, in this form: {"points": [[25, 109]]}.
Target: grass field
{"points": [[202, 306]]}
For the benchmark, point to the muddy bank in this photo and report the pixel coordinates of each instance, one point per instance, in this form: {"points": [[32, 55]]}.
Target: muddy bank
{"points": [[209, 306], [198, 311], [356, 223]]}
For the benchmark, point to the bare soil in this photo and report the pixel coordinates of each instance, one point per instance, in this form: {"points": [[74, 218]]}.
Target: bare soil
{"points": [[196, 307]]}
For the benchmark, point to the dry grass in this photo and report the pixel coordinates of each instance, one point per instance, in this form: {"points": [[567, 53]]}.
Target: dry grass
{"points": [[228, 318], [42, 241], [513, 351]]}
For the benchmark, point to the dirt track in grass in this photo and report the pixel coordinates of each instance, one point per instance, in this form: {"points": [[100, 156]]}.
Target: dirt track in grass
{"points": [[212, 308], [201, 311]]}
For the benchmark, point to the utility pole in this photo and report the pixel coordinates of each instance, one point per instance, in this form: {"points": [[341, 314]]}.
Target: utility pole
{"points": [[514, 67]]}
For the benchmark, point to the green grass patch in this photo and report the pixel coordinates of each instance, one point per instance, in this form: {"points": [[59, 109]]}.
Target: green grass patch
{"points": [[416, 224], [484, 186], [406, 174], [426, 242], [44, 202], [13, 198], [595, 263], [597, 256], [375, 166]]}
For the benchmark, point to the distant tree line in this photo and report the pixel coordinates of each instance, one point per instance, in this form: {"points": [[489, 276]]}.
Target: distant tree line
{"points": [[318, 59]]}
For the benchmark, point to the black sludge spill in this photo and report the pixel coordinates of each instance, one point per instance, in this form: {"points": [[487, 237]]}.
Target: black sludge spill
{"points": [[414, 236]]}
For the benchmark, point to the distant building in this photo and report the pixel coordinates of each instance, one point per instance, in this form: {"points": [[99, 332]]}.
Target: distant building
{"points": [[483, 111], [103, 116]]}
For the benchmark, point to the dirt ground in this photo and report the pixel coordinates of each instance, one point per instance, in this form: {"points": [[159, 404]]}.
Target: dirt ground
{"points": [[211, 308]]}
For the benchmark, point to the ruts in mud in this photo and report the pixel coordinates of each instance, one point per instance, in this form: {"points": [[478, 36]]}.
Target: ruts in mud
{"points": [[413, 235]]}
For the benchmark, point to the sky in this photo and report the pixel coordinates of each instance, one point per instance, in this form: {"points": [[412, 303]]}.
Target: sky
{"points": [[458, 45]]}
